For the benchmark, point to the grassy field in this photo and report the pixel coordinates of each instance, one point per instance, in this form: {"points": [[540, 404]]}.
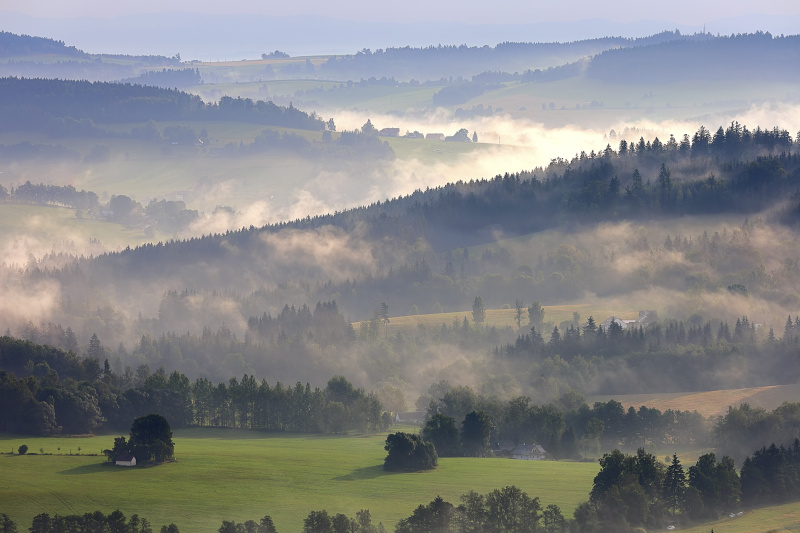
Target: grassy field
{"points": [[711, 403], [774, 519], [237, 475], [41, 230], [507, 317]]}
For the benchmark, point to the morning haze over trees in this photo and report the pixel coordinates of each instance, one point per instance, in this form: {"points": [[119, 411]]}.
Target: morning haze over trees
{"points": [[470, 321]]}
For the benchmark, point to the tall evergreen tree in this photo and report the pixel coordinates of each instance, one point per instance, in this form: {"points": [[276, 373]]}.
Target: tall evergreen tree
{"points": [[674, 486]]}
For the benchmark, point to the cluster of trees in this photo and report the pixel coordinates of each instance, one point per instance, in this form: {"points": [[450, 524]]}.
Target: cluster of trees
{"points": [[150, 441], [41, 194], [506, 510], [62, 392], [408, 452], [164, 215], [770, 475], [114, 522], [474, 439], [567, 427], [640, 491], [322, 522], [744, 428]]}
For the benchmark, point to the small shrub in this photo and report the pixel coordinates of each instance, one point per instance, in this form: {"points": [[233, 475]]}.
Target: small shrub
{"points": [[23, 449]]}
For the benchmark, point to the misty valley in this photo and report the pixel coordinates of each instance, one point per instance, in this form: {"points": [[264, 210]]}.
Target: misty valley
{"points": [[530, 287]]}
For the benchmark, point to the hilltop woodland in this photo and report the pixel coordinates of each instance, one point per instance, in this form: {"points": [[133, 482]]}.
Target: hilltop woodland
{"points": [[21, 55], [61, 108]]}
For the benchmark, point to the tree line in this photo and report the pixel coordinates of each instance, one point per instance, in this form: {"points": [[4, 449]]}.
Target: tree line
{"points": [[76, 395]]}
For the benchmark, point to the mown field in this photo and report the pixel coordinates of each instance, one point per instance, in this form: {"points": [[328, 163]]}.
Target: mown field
{"points": [[711, 403], [238, 475]]}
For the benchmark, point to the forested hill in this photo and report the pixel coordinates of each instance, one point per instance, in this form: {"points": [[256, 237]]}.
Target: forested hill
{"points": [[13, 45], [734, 171], [760, 55], [34, 103], [435, 62]]}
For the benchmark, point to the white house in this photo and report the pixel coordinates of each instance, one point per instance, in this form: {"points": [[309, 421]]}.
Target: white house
{"points": [[532, 452], [125, 459], [646, 317], [410, 417]]}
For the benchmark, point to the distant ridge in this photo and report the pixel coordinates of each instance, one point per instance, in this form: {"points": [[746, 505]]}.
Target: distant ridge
{"points": [[234, 37]]}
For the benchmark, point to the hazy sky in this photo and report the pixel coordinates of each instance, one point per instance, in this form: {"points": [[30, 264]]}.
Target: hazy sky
{"points": [[464, 11]]}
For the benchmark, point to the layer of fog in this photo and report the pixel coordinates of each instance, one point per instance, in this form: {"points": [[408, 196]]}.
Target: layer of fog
{"points": [[508, 144]]}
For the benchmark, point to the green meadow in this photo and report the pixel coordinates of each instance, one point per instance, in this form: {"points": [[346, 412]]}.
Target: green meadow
{"points": [[239, 475], [773, 519]]}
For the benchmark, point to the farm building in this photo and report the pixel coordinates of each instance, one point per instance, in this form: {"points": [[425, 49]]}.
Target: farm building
{"points": [[434, 137], [125, 459], [533, 452], [646, 317], [389, 132], [410, 417]]}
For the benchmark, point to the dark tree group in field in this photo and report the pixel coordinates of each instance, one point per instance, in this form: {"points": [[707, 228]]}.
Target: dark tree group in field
{"points": [[150, 441], [408, 452]]}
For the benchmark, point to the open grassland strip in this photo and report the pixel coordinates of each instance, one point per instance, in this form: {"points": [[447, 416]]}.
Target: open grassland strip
{"points": [[773, 519], [240, 475], [710, 403], [507, 317]]}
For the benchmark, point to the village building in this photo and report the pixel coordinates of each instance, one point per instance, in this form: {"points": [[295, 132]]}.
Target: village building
{"points": [[389, 132], [529, 452], [434, 137], [410, 417], [646, 317]]}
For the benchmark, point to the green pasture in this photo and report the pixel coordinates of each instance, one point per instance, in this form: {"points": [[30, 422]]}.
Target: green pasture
{"points": [[26, 228], [502, 318], [238, 475]]}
